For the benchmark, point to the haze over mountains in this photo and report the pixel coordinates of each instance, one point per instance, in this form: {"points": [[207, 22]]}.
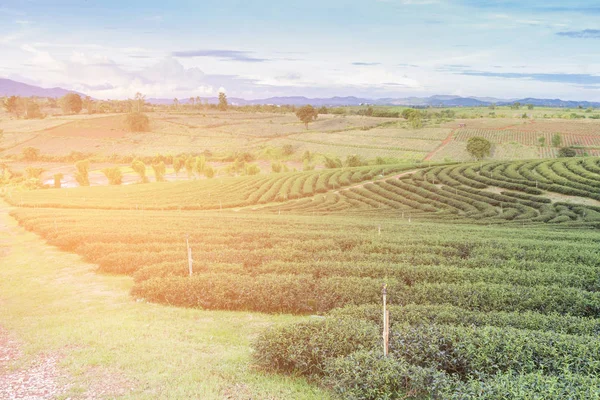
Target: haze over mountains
{"points": [[10, 87]]}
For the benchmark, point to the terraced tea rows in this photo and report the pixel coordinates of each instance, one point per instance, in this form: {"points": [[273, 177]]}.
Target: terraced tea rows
{"points": [[206, 194], [551, 191], [474, 308]]}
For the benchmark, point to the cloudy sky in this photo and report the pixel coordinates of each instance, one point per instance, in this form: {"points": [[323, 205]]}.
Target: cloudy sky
{"points": [[315, 48]]}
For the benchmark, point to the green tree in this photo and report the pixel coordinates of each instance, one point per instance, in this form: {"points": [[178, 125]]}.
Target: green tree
{"points": [[82, 176], [57, 180], [71, 103], [189, 167], [530, 106], [252, 169], [354, 161], [479, 147], [223, 101], [199, 164], [31, 153], [114, 175], [542, 141], [276, 167], [178, 164], [556, 140], [140, 168], [567, 152], [159, 171], [209, 172], [323, 110], [307, 114], [515, 105], [176, 103]]}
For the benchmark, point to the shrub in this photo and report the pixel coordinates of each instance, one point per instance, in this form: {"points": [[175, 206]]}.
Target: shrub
{"points": [[159, 171], [83, 171], [31, 154], [567, 152], [57, 180], [140, 168], [137, 122], [114, 175], [304, 348]]}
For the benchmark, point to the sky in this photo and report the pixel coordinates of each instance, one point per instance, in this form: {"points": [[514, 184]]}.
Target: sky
{"points": [[257, 49]]}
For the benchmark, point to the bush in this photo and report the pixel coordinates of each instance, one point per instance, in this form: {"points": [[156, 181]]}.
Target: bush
{"points": [[567, 152], [304, 348], [137, 122], [114, 175], [83, 171]]}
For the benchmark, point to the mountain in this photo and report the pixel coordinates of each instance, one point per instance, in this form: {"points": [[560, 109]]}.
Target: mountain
{"points": [[9, 87]]}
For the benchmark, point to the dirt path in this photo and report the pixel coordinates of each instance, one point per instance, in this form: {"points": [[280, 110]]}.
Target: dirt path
{"points": [[441, 146]]}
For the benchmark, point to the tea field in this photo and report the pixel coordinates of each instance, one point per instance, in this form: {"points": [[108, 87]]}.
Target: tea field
{"points": [[491, 269]]}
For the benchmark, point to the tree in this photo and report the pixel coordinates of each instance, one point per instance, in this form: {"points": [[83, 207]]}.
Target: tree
{"points": [[223, 101], [209, 172], [199, 164], [276, 167], [189, 167], [71, 103], [192, 101], [542, 141], [88, 104], [159, 171], [307, 114], [140, 100], [57, 180], [114, 175], [14, 105], [353, 161], [175, 103], [140, 168], [83, 172], [556, 140], [34, 172], [479, 147], [516, 105], [198, 101], [414, 117], [33, 110], [567, 152], [323, 110], [178, 164], [31, 153], [137, 122], [252, 169], [530, 106]]}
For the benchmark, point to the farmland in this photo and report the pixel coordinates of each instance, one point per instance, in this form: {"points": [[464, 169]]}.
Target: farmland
{"points": [[491, 266]]}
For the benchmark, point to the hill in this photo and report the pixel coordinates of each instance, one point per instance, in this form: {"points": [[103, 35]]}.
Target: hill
{"points": [[9, 87]]}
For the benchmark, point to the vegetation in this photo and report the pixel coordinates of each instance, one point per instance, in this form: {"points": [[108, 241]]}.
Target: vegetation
{"points": [[71, 103], [307, 114], [137, 122], [479, 147], [114, 175], [83, 172], [223, 104]]}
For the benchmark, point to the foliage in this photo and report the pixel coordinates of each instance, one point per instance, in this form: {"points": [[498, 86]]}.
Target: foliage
{"points": [[57, 180], [479, 147], [567, 152], [71, 103], [114, 175], [223, 101], [31, 154], [33, 110], [159, 171], [139, 168], [307, 114], [83, 171], [178, 164], [137, 122], [556, 140]]}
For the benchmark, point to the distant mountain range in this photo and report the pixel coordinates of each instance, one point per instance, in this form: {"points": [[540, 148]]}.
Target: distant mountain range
{"points": [[13, 88]]}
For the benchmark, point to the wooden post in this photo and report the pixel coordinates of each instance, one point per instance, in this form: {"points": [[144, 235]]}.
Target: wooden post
{"points": [[189, 253], [386, 324]]}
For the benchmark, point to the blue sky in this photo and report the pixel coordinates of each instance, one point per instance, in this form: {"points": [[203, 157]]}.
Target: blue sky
{"points": [[258, 49]]}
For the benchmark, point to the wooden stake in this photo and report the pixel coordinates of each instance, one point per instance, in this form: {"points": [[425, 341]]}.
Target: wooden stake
{"points": [[386, 325], [189, 252]]}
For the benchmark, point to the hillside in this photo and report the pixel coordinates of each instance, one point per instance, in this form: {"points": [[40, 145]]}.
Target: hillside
{"points": [[9, 87]]}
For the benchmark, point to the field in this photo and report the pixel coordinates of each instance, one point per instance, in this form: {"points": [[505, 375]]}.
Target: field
{"points": [[491, 267], [491, 270]]}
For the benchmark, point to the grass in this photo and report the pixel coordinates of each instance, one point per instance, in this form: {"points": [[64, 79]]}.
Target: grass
{"points": [[54, 302]]}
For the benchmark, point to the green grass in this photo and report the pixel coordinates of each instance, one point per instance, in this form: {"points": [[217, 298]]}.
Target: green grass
{"points": [[55, 303]]}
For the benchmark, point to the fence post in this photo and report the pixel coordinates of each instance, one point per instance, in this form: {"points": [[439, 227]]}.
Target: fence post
{"points": [[386, 322], [189, 253]]}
